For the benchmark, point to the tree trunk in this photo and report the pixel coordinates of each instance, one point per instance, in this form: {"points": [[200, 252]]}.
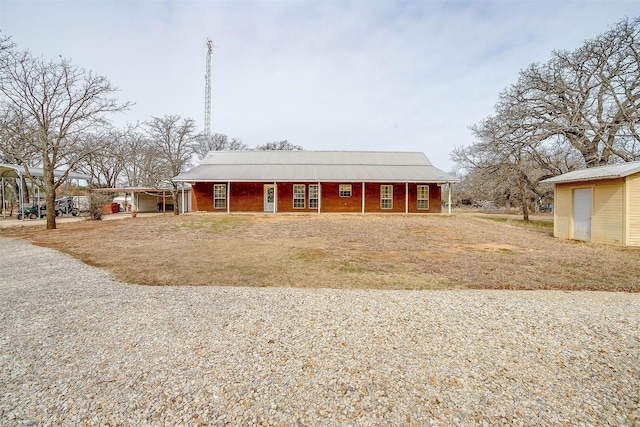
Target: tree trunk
{"points": [[50, 191], [175, 194], [507, 205], [523, 197]]}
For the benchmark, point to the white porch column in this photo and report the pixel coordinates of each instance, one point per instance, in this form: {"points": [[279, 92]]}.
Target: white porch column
{"points": [[229, 197], [449, 198], [182, 207], [319, 197], [406, 198], [4, 211], [363, 196], [21, 196], [275, 197]]}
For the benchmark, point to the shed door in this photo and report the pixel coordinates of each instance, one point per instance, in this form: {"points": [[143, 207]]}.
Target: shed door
{"points": [[582, 214]]}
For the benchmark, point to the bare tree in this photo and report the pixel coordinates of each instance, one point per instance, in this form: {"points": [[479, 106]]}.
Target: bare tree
{"points": [[579, 108], [56, 105], [173, 140], [278, 146], [588, 99], [141, 159], [107, 161], [217, 142]]}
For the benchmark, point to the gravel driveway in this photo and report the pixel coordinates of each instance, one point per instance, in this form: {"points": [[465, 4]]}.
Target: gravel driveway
{"points": [[77, 347]]}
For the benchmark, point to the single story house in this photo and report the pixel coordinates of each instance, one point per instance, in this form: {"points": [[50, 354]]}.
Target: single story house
{"points": [[599, 204], [316, 181]]}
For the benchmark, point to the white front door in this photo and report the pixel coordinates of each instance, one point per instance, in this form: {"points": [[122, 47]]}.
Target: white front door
{"points": [[269, 198], [582, 214]]}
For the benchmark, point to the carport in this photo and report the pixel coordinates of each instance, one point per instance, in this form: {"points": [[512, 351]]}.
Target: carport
{"points": [[19, 172]]}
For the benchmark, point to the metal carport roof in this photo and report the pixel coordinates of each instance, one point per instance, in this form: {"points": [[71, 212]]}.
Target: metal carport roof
{"points": [[16, 171]]}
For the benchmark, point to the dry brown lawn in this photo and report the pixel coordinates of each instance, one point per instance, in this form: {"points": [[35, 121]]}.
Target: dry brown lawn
{"points": [[340, 251]]}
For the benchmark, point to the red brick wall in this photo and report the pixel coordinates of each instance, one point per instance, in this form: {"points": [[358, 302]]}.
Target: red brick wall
{"points": [[202, 196], [249, 197], [332, 202]]}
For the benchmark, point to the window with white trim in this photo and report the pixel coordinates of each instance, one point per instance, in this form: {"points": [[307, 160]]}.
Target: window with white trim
{"points": [[313, 196], [219, 196], [344, 190], [386, 197], [423, 197], [298, 196]]}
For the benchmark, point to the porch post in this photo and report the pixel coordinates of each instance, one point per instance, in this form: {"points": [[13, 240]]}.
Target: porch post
{"points": [[229, 197], [21, 195], [449, 198], [182, 205], [406, 198], [275, 197], [319, 196], [363, 196], [4, 210]]}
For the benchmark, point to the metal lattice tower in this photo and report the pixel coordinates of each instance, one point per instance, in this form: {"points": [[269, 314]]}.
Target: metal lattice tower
{"points": [[207, 91]]}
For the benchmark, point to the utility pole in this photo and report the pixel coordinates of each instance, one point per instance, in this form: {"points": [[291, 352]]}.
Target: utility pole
{"points": [[207, 91]]}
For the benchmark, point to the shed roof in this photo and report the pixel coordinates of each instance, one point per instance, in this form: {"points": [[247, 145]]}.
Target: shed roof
{"points": [[15, 171], [619, 170], [312, 166]]}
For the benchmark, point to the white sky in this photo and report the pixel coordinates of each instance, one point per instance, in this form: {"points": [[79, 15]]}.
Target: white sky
{"points": [[326, 75]]}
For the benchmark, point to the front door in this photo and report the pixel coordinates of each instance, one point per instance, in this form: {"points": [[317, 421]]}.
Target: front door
{"points": [[269, 198], [582, 214]]}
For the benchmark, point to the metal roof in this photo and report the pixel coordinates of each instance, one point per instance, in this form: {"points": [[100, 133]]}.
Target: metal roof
{"points": [[15, 171], [619, 170], [312, 166]]}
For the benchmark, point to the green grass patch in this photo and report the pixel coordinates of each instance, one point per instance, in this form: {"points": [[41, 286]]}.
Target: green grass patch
{"points": [[534, 223], [210, 224]]}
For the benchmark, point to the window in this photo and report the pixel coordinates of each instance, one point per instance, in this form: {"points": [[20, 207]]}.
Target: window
{"points": [[219, 196], [298, 196], [423, 197], [386, 196], [345, 190], [313, 196]]}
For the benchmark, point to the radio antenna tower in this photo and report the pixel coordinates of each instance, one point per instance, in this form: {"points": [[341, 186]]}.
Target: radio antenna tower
{"points": [[207, 91]]}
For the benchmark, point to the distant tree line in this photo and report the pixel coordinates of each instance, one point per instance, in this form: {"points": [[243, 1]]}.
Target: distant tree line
{"points": [[55, 115], [579, 109]]}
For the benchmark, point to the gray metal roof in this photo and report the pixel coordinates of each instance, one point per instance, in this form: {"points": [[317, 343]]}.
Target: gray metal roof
{"points": [[313, 166], [619, 170], [15, 171]]}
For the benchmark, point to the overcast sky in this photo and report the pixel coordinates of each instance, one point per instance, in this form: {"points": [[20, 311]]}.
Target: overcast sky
{"points": [[326, 75]]}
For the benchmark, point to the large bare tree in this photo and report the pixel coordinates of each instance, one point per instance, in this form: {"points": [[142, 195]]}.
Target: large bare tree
{"points": [[580, 108], [57, 105], [588, 99], [217, 142], [172, 138]]}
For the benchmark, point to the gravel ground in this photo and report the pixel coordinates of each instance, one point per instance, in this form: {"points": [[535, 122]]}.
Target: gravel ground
{"points": [[79, 348]]}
